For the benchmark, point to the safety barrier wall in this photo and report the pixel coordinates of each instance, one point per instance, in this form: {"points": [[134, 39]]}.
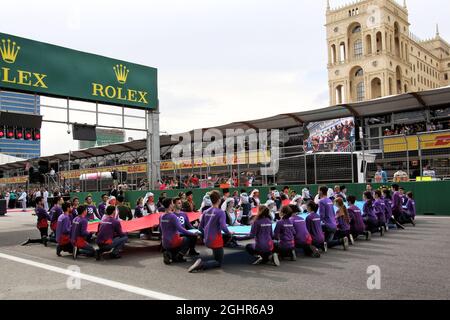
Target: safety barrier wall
{"points": [[430, 197]]}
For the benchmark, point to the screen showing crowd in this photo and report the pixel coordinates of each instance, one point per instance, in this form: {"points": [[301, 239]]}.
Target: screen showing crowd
{"points": [[336, 135]]}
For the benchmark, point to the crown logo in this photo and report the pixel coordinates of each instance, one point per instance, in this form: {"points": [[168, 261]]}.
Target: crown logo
{"points": [[9, 51], [121, 73]]}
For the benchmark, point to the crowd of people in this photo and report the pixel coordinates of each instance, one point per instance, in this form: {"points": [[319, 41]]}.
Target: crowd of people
{"points": [[19, 198], [336, 139], [412, 129], [311, 224]]}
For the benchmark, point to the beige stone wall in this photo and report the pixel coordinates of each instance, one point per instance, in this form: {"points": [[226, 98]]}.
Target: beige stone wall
{"points": [[373, 36]]}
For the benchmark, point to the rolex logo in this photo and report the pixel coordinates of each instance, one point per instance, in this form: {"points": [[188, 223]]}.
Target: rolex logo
{"points": [[9, 51], [121, 73]]}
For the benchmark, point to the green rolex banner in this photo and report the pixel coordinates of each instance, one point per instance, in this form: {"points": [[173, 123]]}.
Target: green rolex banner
{"points": [[45, 69]]}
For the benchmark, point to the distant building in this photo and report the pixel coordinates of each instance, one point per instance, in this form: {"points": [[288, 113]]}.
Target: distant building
{"points": [[104, 137], [372, 54], [24, 103]]}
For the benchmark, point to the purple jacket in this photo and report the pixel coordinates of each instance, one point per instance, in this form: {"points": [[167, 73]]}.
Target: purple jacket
{"points": [[397, 206], [285, 232], [42, 214], [315, 228], [263, 233], [63, 227], [369, 213], [356, 221], [411, 208], [326, 210], [388, 207], [74, 214], [171, 229], [342, 225], [184, 220], [302, 235], [380, 210], [55, 212], [79, 229], [212, 224], [92, 213], [101, 209], [108, 229]]}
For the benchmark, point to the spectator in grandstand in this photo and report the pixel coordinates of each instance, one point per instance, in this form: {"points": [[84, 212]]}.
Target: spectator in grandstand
{"points": [[428, 172], [401, 176], [123, 211], [380, 175]]}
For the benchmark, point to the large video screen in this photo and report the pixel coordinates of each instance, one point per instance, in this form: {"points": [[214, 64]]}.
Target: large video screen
{"points": [[336, 135]]}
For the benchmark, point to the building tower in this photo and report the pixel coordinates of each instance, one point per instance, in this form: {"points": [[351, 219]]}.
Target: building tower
{"points": [[372, 54]]}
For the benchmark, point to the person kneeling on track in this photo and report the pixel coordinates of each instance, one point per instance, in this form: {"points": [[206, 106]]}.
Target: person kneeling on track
{"points": [[369, 216], [303, 239], [184, 221], [79, 236], [380, 210], [343, 223], [63, 230], [357, 226], [411, 208], [212, 225], [42, 223], [175, 247], [285, 234], [110, 236], [262, 232], [314, 226]]}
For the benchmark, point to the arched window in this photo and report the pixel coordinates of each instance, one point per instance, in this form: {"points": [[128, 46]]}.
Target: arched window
{"points": [[356, 29], [360, 91], [359, 72], [358, 48], [333, 53], [342, 52], [448, 65]]}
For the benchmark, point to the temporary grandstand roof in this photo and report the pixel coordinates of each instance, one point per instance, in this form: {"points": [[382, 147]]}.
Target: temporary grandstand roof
{"points": [[376, 107]]}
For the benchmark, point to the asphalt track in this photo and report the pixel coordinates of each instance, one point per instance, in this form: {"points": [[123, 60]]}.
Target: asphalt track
{"points": [[414, 264]]}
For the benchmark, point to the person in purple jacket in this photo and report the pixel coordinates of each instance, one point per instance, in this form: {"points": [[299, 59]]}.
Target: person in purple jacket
{"points": [[343, 224], [328, 218], [184, 221], [79, 236], [262, 232], [176, 240], [92, 212], [397, 205], [110, 236], [102, 206], [55, 212], [380, 210], [369, 216], [63, 230], [357, 226], [42, 223], [212, 224], [411, 208], [314, 226], [285, 234], [303, 239], [387, 198]]}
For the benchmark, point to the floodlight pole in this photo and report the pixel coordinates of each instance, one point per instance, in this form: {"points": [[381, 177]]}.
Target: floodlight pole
{"points": [[153, 148]]}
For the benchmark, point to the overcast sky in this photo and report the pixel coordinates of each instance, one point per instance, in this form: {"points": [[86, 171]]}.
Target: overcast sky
{"points": [[219, 61]]}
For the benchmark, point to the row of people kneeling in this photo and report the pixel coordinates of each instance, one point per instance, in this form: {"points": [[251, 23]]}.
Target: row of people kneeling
{"points": [[314, 234]]}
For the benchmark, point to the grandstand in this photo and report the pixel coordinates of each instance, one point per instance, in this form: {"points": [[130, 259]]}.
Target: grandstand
{"points": [[408, 131]]}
